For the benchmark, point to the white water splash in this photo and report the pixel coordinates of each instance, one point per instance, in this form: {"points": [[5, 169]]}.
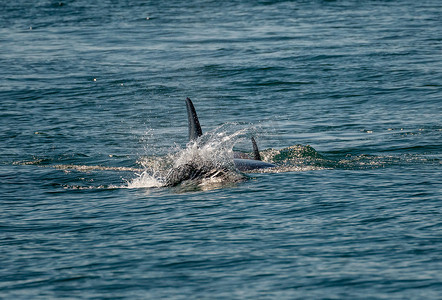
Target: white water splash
{"points": [[211, 157]]}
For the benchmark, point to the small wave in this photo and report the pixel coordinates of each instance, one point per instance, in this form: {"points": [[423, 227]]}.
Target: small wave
{"points": [[300, 158], [295, 158], [288, 154], [86, 168], [290, 168], [35, 161], [89, 188]]}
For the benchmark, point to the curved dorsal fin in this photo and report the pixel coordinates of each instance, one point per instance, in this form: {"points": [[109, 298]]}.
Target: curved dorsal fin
{"points": [[194, 125], [256, 155]]}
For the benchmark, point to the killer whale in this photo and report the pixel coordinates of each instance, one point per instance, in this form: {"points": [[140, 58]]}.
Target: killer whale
{"points": [[242, 164]]}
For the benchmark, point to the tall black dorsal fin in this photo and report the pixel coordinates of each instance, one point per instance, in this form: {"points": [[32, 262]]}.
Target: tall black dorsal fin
{"points": [[256, 155], [194, 125]]}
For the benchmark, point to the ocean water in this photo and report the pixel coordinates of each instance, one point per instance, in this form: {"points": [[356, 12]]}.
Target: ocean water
{"points": [[344, 97]]}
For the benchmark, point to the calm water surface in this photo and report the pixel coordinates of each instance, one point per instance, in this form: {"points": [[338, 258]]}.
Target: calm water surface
{"points": [[92, 95]]}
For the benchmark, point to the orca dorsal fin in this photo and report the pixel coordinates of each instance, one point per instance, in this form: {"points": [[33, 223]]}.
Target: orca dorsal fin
{"points": [[256, 155], [194, 125]]}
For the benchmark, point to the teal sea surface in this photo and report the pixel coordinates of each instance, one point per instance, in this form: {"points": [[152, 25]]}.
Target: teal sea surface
{"points": [[345, 97]]}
